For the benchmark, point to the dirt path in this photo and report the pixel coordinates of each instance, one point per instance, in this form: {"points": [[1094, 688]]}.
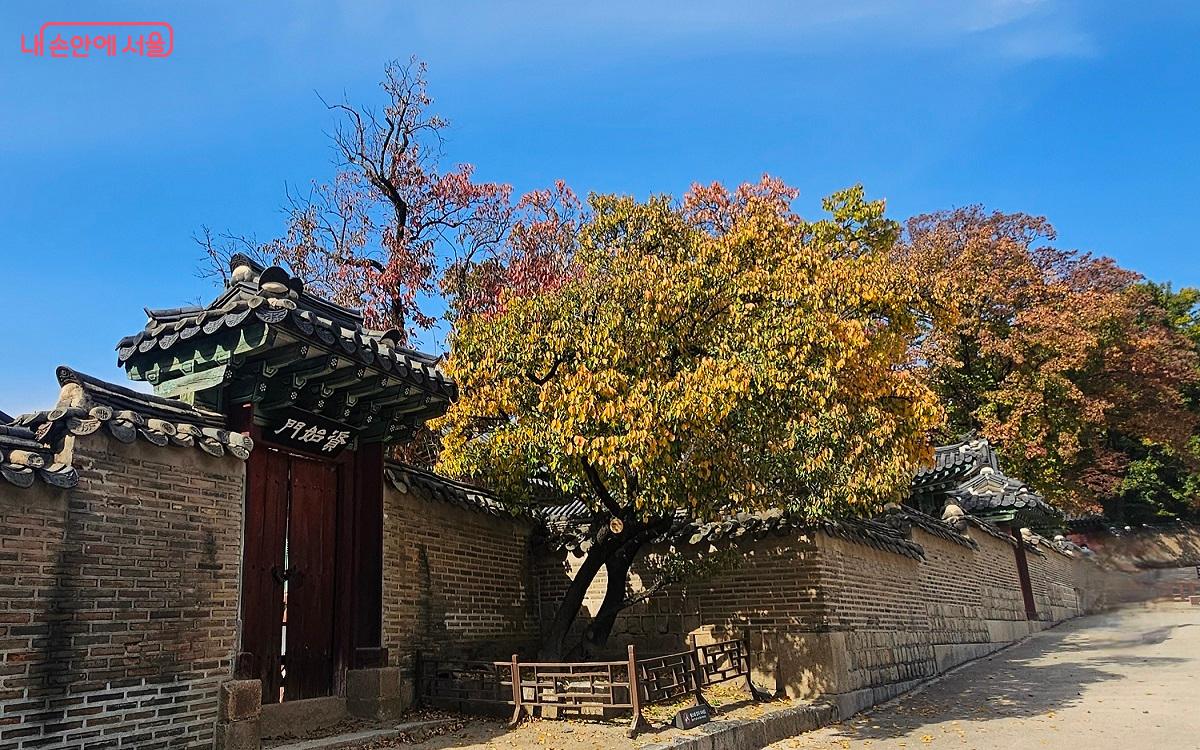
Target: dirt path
{"points": [[1127, 679]]}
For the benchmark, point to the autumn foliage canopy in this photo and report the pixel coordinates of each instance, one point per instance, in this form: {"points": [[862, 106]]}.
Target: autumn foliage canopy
{"points": [[716, 355], [1077, 369], [719, 354]]}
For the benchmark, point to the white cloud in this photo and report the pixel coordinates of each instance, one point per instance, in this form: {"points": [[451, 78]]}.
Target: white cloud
{"points": [[1019, 30], [1042, 43]]}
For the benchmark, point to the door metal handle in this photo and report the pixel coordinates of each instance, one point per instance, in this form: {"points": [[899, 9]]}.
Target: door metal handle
{"points": [[283, 575]]}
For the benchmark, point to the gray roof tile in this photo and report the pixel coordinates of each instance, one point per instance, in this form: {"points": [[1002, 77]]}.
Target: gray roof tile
{"points": [[24, 458], [87, 404], [256, 298]]}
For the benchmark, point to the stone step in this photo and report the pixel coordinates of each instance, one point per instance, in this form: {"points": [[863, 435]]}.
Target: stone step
{"points": [[351, 740]]}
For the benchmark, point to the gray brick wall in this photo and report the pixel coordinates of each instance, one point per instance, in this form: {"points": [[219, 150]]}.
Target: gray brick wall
{"points": [[118, 599], [455, 581], [833, 615]]}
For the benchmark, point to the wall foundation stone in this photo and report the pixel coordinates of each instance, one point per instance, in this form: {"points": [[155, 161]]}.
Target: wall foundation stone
{"points": [[375, 693]]}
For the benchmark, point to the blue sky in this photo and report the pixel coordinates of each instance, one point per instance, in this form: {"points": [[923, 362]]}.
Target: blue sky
{"points": [[1086, 112]]}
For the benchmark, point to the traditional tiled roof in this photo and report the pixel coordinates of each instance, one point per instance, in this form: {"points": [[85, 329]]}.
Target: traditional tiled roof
{"points": [[1087, 521], [968, 474], [87, 404], [903, 517], [745, 527], [568, 526], [990, 493], [755, 526], [548, 508], [24, 458], [951, 462], [1067, 547], [406, 478], [267, 341], [573, 511], [991, 529]]}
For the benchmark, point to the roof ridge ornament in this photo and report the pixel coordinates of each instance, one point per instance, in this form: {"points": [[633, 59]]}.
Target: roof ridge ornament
{"points": [[277, 282], [237, 260]]}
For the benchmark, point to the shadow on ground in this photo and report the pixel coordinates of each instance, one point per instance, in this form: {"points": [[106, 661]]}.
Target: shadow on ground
{"points": [[1045, 675]]}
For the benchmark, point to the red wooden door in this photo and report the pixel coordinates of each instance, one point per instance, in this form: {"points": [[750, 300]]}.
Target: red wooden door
{"points": [[289, 559], [262, 589], [311, 557]]}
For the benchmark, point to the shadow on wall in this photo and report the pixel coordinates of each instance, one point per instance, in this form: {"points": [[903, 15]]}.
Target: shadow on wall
{"points": [[1146, 547], [771, 585], [796, 664], [655, 627], [552, 576], [1024, 683]]}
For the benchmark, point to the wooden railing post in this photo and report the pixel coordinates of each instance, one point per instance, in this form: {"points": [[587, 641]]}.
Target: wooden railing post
{"points": [[635, 695], [697, 673], [518, 708]]}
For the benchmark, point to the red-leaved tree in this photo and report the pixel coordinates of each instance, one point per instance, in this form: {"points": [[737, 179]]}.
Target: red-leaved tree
{"points": [[393, 228]]}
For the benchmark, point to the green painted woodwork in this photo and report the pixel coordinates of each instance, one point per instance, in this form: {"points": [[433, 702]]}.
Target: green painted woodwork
{"points": [[192, 382], [184, 359]]}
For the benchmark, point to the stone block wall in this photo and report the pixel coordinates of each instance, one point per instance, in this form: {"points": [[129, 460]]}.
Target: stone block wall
{"points": [[829, 615], [899, 620], [877, 608], [953, 593], [118, 599], [1055, 588], [455, 581]]}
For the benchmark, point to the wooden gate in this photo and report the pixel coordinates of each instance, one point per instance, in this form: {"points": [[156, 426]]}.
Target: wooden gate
{"points": [[289, 573], [308, 579]]}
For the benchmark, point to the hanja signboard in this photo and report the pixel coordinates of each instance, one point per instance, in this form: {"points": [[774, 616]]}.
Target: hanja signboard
{"points": [[312, 433]]}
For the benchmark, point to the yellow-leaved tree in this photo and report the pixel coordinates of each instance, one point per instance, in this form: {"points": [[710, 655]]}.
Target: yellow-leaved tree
{"points": [[700, 358]]}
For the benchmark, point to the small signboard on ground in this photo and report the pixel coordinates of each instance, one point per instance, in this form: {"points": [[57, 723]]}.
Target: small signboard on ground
{"points": [[693, 717]]}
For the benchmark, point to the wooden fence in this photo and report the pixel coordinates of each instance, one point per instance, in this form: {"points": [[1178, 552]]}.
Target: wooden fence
{"points": [[561, 689], [1182, 591], [464, 685]]}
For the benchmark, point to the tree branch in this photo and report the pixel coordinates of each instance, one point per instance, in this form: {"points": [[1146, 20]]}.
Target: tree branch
{"points": [[558, 362], [597, 483]]}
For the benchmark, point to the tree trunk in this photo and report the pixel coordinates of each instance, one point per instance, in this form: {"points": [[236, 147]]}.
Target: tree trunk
{"points": [[554, 639], [615, 553], [595, 637]]}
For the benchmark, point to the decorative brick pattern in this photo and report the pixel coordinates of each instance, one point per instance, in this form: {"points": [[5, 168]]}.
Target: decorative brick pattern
{"points": [[118, 600]]}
